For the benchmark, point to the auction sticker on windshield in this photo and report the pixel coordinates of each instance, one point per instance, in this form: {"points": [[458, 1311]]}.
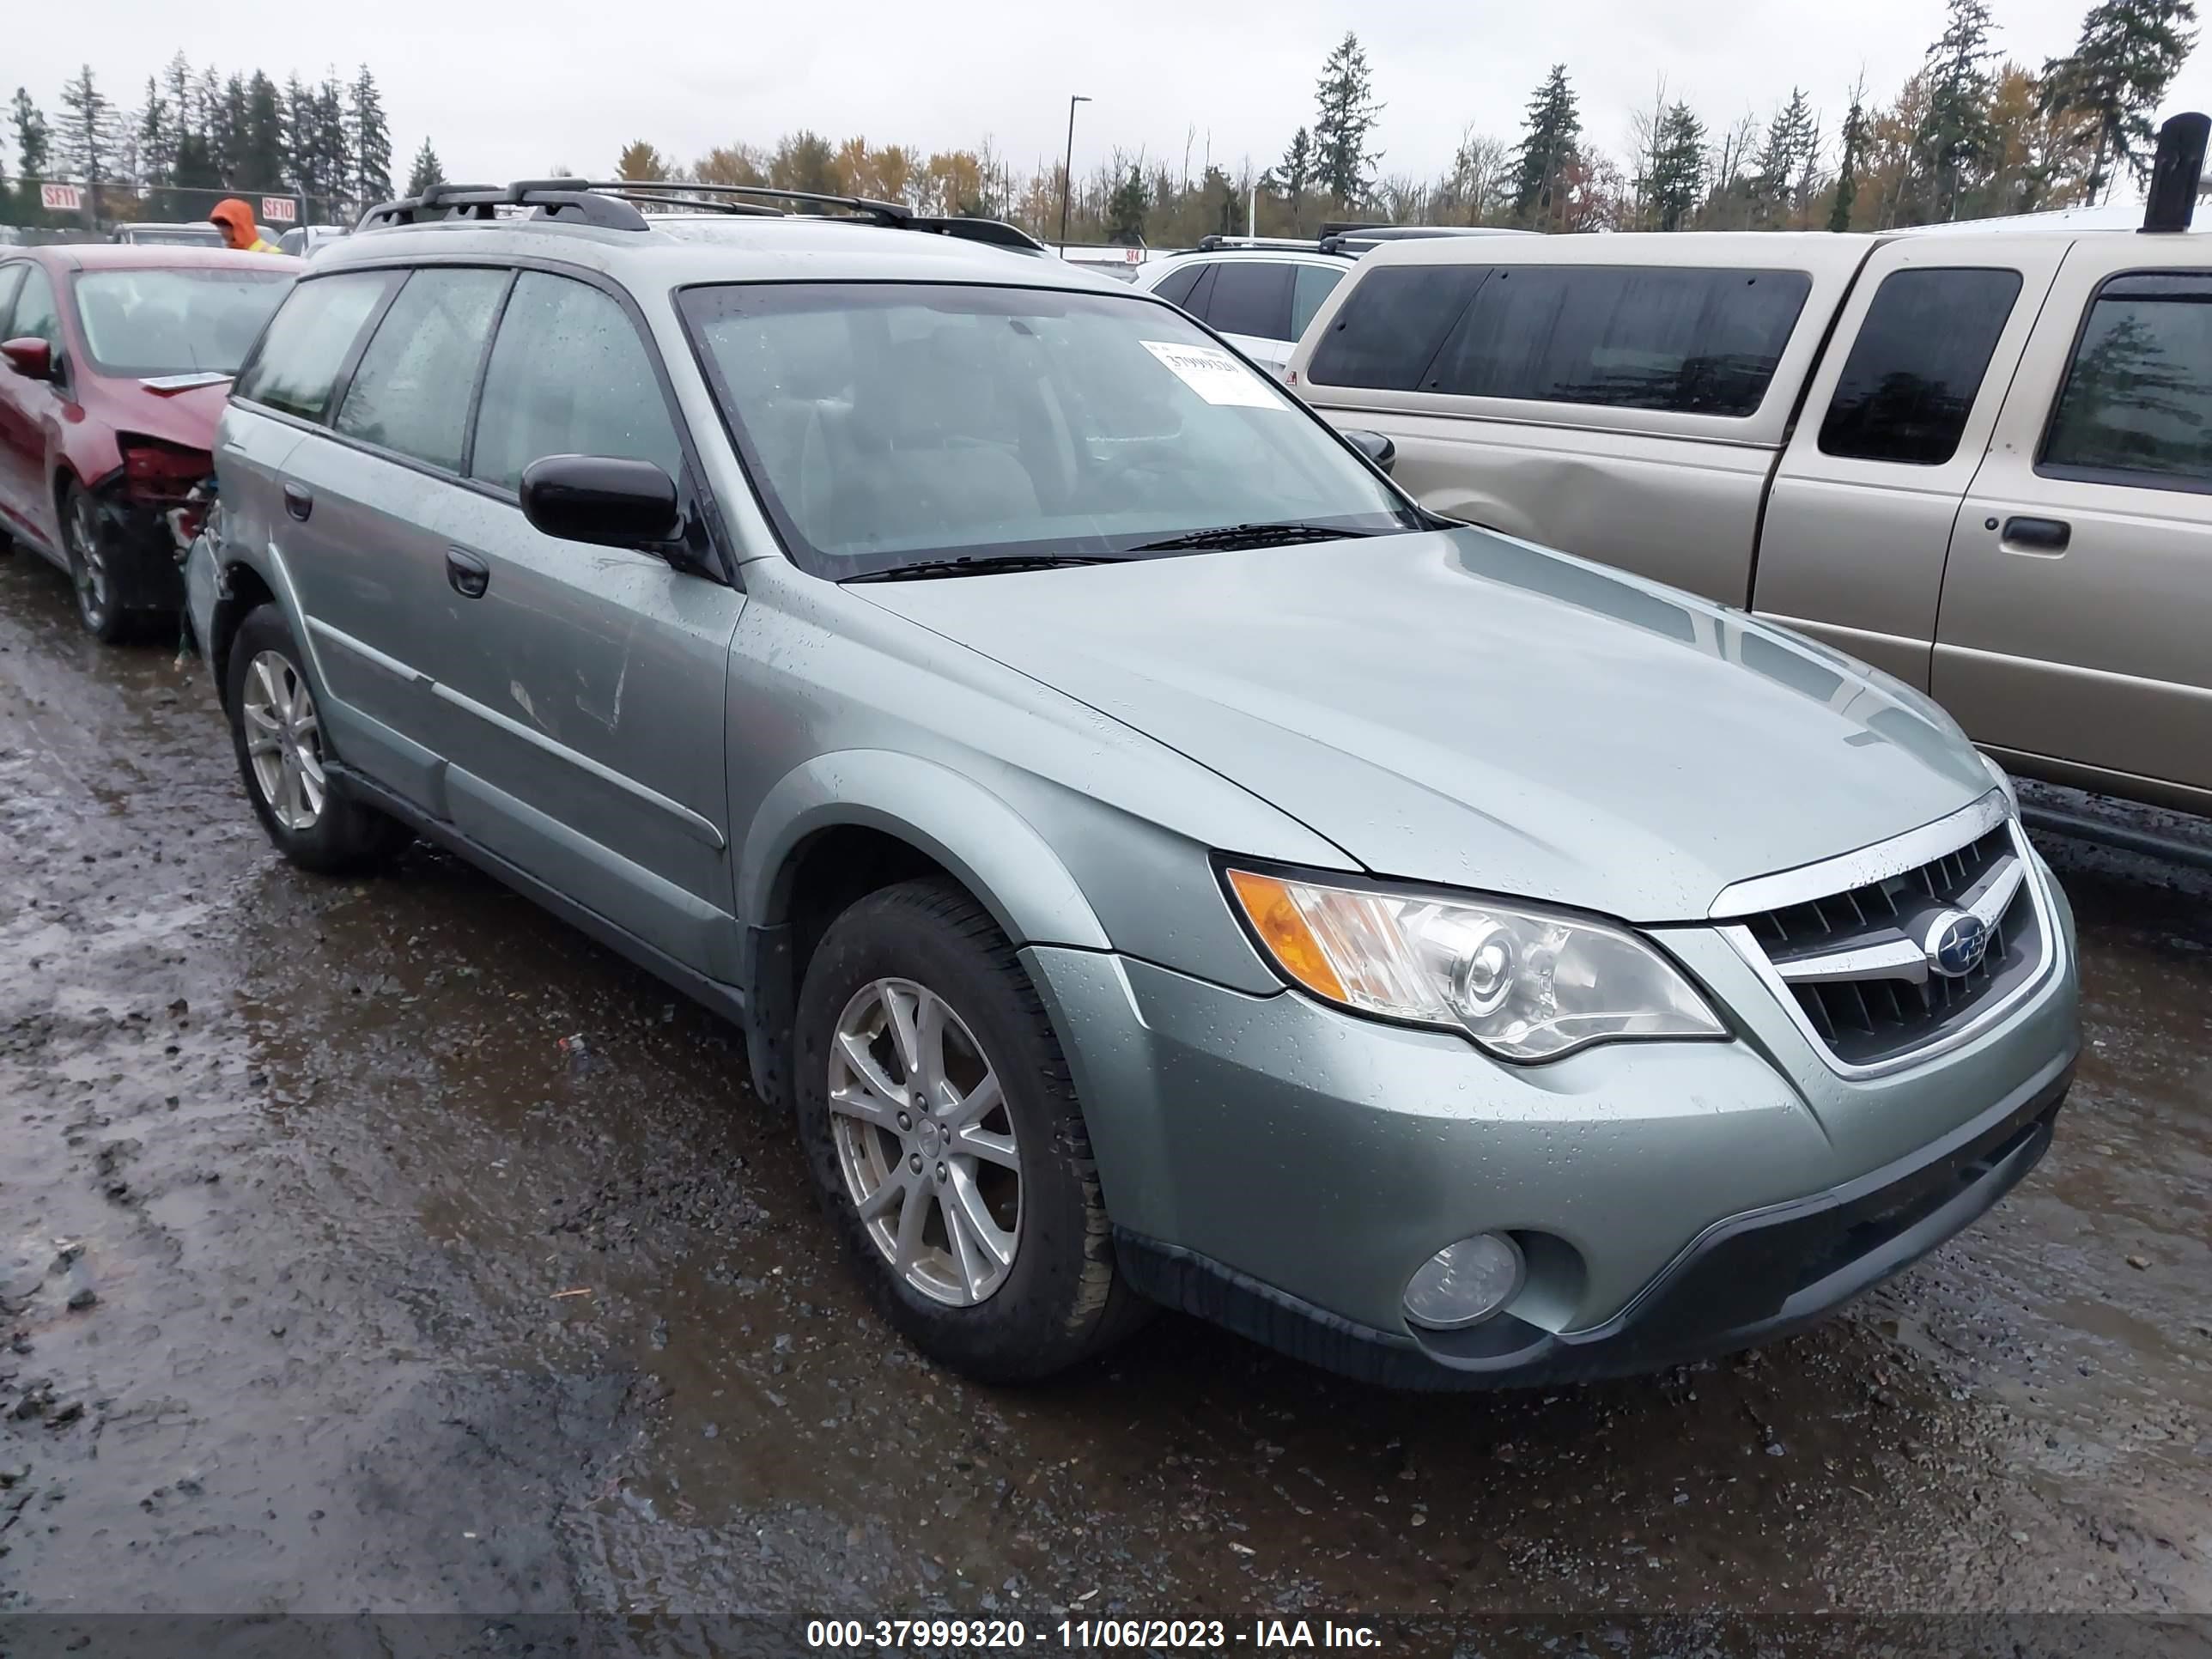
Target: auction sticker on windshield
{"points": [[1215, 374]]}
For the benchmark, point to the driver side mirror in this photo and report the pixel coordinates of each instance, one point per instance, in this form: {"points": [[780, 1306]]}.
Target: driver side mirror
{"points": [[601, 500], [30, 358], [1374, 445]]}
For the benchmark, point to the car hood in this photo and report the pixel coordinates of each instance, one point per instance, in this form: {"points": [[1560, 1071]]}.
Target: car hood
{"points": [[1461, 708], [186, 417]]}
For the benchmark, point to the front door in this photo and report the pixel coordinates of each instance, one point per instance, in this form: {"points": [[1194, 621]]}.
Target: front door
{"points": [[28, 407], [581, 688], [2077, 608], [1895, 421]]}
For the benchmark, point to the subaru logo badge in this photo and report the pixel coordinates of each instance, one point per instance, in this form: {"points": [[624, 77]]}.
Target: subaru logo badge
{"points": [[1955, 944]]}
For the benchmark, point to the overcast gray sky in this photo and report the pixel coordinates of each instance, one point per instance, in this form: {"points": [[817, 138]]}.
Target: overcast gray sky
{"points": [[508, 88]]}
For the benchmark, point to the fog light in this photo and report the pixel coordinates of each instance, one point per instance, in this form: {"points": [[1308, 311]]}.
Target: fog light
{"points": [[1465, 1283]]}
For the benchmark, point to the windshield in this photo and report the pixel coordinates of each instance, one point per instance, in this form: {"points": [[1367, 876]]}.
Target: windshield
{"points": [[889, 425], [174, 322], [172, 236]]}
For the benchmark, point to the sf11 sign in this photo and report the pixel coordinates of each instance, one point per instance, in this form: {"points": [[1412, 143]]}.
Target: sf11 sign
{"points": [[61, 199], [279, 210]]}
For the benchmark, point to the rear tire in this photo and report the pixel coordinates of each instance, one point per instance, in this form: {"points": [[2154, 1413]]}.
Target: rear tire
{"points": [[276, 732], [1009, 1273]]}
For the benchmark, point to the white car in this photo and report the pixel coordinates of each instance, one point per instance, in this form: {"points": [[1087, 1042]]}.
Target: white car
{"points": [[1259, 295]]}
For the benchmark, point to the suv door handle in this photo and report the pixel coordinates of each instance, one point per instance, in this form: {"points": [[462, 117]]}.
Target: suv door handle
{"points": [[2037, 535], [469, 575], [299, 502]]}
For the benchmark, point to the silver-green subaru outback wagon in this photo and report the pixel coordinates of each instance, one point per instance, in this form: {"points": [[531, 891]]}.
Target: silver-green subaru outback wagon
{"points": [[1157, 862]]}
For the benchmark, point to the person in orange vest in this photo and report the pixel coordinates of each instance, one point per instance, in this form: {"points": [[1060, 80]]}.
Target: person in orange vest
{"points": [[235, 219]]}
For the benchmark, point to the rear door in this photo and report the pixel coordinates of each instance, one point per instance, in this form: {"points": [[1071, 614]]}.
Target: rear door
{"points": [[1249, 300], [2076, 624], [581, 688], [1894, 424], [364, 502]]}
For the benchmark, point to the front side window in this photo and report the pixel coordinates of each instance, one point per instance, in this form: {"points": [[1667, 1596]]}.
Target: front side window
{"points": [[1686, 341], [309, 340], [1918, 364], [410, 392], [568, 376], [35, 318], [1251, 297], [888, 425], [2136, 406], [10, 276], [155, 322]]}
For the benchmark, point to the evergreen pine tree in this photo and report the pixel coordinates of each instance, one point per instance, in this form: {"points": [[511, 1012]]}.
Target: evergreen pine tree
{"points": [[1125, 209], [1677, 178], [1548, 148], [1345, 118], [1790, 141], [2108, 86], [227, 130], [371, 140], [1294, 175], [34, 157], [157, 137], [1847, 169], [426, 171], [1957, 138], [89, 138]]}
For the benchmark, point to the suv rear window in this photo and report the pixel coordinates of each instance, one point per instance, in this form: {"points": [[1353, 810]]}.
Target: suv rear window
{"points": [[309, 341], [1251, 297], [2136, 407], [1689, 342], [411, 393], [1916, 365]]}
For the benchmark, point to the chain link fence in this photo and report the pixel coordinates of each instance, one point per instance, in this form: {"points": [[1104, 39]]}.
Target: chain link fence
{"points": [[70, 210]]}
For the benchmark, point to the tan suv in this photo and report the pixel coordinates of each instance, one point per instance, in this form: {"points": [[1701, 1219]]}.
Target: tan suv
{"points": [[1983, 462]]}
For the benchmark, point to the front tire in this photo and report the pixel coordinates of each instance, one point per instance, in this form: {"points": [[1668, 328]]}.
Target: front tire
{"points": [[277, 734], [945, 1134], [91, 569]]}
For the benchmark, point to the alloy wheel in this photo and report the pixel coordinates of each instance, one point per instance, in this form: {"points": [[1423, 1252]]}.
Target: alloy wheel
{"points": [[88, 561], [925, 1141], [283, 741]]}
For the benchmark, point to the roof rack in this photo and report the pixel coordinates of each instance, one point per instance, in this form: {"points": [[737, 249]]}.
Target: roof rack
{"points": [[1209, 244], [613, 204]]}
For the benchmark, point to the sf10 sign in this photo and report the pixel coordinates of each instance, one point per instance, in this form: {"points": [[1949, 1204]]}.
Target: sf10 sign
{"points": [[279, 210], [61, 199]]}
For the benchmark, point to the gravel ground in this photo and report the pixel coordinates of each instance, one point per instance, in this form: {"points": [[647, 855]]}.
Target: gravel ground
{"points": [[329, 1283]]}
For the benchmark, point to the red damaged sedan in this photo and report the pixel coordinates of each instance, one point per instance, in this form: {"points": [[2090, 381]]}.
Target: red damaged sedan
{"points": [[115, 362]]}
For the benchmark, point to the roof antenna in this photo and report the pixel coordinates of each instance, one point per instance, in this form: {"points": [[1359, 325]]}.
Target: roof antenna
{"points": [[2174, 173]]}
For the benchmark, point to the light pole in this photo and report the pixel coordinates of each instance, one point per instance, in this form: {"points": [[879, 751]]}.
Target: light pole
{"points": [[1067, 167]]}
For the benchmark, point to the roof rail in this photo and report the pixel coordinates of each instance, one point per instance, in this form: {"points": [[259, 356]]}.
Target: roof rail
{"points": [[614, 204], [1209, 244]]}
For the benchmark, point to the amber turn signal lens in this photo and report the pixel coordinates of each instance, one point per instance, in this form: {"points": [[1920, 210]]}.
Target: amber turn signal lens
{"points": [[1275, 917]]}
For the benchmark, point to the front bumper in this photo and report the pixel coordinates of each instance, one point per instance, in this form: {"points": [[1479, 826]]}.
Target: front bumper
{"points": [[141, 555], [1284, 1168]]}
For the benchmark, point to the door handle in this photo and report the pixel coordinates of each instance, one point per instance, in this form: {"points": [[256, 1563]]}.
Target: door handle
{"points": [[469, 575], [2037, 535], [299, 502]]}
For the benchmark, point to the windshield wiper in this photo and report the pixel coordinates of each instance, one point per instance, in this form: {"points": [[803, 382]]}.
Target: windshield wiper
{"points": [[1231, 536], [969, 565]]}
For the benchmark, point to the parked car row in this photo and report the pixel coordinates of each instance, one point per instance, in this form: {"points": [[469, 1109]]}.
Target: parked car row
{"points": [[1157, 858], [117, 360]]}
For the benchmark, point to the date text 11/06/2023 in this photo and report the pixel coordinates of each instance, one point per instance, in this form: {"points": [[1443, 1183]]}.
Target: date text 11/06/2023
{"points": [[1079, 1635]]}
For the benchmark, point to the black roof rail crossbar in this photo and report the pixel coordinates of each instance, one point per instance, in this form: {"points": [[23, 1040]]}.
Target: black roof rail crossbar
{"points": [[613, 204]]}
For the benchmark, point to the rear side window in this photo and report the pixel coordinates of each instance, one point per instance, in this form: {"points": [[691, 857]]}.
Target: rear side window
{"points": [[1918, 364], [1389, 327], [1252, 296], [309, 340], [2136, 407], [1175, 288], [411, 393], [568, 376], [1687, 342], [1308, 288]]}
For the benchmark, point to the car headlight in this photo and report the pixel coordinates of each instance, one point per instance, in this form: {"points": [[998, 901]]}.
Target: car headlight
{"points": [[2004, 782], [1526, 983]]}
